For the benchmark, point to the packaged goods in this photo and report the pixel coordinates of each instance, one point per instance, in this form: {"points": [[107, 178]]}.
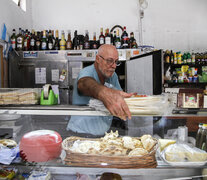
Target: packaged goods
{"points": [[180, 154]]}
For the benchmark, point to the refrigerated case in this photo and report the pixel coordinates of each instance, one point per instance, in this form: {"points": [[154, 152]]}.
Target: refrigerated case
{"points": [[28, 119]]}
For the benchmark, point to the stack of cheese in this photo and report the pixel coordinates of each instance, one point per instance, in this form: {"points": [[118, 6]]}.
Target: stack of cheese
{"points": [[20, 96], [179, 152], [113, 145], [146, 105]]}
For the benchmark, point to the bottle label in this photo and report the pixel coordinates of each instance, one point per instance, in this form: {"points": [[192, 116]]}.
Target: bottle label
{"points": [[25, 43], [37, 43], [19, 46], [107, 40], [101, 40], [44, 45], [86, 45], [50, 45], [118, 44], [62, 45], [13, 42], [32, 42], [69, 45], [19, 40]]}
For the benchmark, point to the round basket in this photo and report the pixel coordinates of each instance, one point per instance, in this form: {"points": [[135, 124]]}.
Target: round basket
{"points": [[92, 160]]}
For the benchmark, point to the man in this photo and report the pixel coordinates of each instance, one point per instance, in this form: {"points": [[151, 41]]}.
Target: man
{"points": [[91, 83]]}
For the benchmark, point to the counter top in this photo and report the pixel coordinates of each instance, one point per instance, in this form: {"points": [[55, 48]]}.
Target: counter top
{"points": [[81, 110]]}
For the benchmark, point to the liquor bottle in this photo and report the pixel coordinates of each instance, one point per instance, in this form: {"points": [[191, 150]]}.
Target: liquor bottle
{"points": [[53, 38], [101, 38], [132, 41], [32, 41], [171, 57], [114, 38], [107, 37], [62, 41], [50, 41], [14, 40], [95, 45], [124, 39], [117, 40], [20, 40], [86, 41], [44, 41], [57, 45], [75, 41], [38, 41], [167, 57], [26, 40], [69, 44]]}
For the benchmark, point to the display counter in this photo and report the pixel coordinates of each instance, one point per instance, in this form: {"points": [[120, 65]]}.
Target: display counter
{"points": [[21, 120]]}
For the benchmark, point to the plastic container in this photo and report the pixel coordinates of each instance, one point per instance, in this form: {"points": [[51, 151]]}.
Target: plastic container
{"points": [[40, 146]]}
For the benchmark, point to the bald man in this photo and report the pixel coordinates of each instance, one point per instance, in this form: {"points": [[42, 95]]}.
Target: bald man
{"points": [[91, 83]]}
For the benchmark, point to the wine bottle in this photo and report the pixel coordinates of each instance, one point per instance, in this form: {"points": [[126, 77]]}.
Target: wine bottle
{"points": [[14, 40], [101, 38]]}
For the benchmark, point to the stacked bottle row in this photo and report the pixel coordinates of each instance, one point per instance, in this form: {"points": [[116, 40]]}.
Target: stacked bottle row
{"points": [[46, 40], [171, 57]]}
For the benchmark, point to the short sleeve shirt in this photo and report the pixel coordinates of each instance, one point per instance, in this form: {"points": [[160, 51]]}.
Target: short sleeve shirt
{"points": [[96, 125]]}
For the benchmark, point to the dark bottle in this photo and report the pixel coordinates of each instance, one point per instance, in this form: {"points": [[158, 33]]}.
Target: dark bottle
{"points": [[50, 41], [26, 40], [57, 45], [86, 41], [117, 40], [14, 40], [69, 44], [198, 135], [44, 41], [101, 38], [20, 40], [114, 38], [53, 38], [32, 41], [124, 39], [75, 41], [95, 44], [171, 57], [38, 41], [132, 41], [107, 37]]}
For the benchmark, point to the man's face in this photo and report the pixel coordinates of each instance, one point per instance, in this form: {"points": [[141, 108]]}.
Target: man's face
{"points": [[107, 62]]}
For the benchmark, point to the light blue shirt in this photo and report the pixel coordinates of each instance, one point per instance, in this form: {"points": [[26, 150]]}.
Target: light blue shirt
{"points": [[96, 125]]}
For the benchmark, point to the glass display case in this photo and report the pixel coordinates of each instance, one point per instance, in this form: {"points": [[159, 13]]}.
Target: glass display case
{"points": [[17, 122]]}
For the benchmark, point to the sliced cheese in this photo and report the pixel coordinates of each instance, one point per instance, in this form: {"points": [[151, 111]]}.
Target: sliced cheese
{"points": [[165, 142]]}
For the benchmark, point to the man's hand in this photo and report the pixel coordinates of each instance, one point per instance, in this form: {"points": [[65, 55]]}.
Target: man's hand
{"points": [[111, 98], [115, 103]]}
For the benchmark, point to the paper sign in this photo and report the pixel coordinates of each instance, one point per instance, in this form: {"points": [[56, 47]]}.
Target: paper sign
{"points": [[55, 75], [75, 72], [40, 75]]}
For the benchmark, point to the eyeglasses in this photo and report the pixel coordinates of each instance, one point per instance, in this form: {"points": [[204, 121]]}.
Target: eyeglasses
{"points": [[110, 62]]}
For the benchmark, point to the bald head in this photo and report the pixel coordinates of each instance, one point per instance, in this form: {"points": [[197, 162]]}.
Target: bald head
{"points": [[107, 49]]}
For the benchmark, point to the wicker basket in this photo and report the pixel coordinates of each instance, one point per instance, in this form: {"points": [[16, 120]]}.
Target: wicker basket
{"points": [[91, 160]]}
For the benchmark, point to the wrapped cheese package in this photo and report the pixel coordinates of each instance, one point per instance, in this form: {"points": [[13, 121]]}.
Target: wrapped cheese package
{"points": [[179, 152]]}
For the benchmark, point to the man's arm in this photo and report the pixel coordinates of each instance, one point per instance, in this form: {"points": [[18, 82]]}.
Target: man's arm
{"points": [[111, 98]]}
